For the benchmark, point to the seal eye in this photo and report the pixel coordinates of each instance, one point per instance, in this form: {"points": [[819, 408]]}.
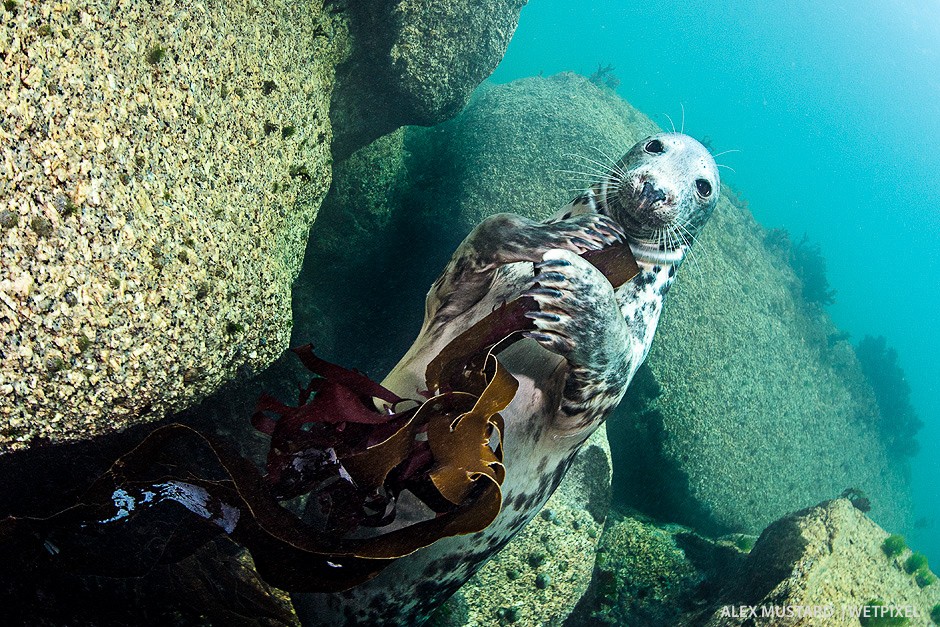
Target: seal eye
{"points": [[654, 147], [704, 188]]}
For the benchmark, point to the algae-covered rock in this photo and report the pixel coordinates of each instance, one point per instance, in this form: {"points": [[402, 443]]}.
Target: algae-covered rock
{"points": [[415, 62], [526, 147], [749, 404], [543, 572], [162, 162], [829, 557], [648, 574]]}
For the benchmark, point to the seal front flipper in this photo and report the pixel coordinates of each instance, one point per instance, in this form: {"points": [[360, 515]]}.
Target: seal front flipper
{"points": [[508, 238], [579, 319]]}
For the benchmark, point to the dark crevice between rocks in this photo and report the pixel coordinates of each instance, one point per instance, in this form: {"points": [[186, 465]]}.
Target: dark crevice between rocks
{"points": [[591, 463], [44, 480], [359, 112], [362, 286], [615, 592], [644, 478], [771, 561]]}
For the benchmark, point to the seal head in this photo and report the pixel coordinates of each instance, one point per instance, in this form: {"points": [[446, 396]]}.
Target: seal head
{"points": [[662, 192]]}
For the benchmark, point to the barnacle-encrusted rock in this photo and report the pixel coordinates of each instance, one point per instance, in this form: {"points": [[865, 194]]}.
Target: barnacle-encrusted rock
{"points": [[415, 62], [160, 165]]}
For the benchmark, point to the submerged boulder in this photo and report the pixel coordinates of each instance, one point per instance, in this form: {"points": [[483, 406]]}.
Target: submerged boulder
{"points": [[751, 402], [162, 164], [828, 559], [161, 167], [414, 62]]}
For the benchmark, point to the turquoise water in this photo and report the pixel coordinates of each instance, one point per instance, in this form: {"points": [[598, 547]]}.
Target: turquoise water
{"points": [[835, 109]]}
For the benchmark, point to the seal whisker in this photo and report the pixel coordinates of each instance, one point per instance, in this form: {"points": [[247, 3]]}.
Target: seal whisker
{"points": [[721, 165], [724, 152], [616, 168], [698, 249], [607, 167], [681, 239], [589, 174], [683, 242], [601, 164], [671, 123], [675, 242], [684, 226], [682, 127]]}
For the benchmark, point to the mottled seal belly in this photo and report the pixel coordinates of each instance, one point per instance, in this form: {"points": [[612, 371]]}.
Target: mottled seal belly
{"points": [[573, 368]]}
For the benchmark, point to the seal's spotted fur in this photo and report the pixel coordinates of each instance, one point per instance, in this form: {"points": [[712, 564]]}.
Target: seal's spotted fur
{"points": [[573, 370]]}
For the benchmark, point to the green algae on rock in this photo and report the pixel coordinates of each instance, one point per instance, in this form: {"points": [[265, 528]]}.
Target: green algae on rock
{"points": [[115, 113], [822, 556]]}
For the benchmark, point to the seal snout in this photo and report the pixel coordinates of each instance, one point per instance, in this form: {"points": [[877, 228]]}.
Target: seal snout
{"points": [[653, 207], [649, 195]]}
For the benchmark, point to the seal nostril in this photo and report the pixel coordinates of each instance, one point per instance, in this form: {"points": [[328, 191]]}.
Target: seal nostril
{"points": [[650, 194]]}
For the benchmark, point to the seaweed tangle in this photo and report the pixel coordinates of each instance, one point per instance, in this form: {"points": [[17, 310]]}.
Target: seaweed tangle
{"points": [[604, 76], [899, 421], [350, 444], [808, 263], [179, 489]]}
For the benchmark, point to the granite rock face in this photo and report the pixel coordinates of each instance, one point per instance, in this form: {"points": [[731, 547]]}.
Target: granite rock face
{"points": [[827, 556], [414, 62], [161, 165]]}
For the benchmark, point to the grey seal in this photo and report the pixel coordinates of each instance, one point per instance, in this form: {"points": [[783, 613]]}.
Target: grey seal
{"points": [[573, 368]]}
